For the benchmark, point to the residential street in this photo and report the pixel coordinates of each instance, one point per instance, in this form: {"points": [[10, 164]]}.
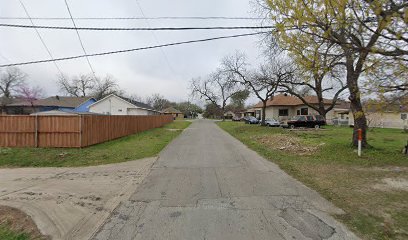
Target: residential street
{"points": [[207, 185]]}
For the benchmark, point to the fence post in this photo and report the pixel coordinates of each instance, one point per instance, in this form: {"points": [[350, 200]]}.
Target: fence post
{"points": [[80, 131], [36, 131]]}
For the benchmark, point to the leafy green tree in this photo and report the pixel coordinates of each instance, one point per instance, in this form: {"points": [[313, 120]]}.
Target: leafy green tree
{"points": [[188, 108], [239, 98], [365, 34]]}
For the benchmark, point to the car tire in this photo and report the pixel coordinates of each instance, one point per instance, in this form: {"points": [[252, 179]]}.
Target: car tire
{"points": [[317, 126], [292, 126]]}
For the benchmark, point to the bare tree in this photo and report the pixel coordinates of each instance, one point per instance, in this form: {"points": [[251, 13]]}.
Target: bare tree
{"points": [[10, 81], [158, 102], [264, 82], [80, 86], [30, 94], [217, 89], [104, 87]]}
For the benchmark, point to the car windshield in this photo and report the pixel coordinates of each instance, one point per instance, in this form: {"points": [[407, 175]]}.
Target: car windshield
{"points": [[297, 118]]}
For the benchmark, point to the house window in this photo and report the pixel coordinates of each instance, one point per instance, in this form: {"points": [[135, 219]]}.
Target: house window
{"points": [[119, 110], [298, 112], [304, 111], [283, 112], [404, 116]]}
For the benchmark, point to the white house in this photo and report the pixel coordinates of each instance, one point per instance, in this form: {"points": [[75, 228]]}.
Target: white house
{"points": [[283, 107], [115, 105]]}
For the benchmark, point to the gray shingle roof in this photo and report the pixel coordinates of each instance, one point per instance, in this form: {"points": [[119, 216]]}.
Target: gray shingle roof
{"points": [[171, 110], [137, 104], [56, 101]]}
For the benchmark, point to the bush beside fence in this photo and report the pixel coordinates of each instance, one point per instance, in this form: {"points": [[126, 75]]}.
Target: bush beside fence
{"points": [[72, 131]]}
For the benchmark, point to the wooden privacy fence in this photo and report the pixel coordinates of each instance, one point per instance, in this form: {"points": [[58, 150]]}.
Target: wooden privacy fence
{"points": [[72, 131]]}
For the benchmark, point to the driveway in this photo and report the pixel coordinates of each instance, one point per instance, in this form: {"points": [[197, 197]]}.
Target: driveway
{"points": [[71, 203], [208, 185]]}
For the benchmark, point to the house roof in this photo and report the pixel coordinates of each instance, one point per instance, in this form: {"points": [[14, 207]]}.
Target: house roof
{"points": [[62, 113], [287, 100], [171, 110], [6, 101], [136, 104], [56, 101], [341, 104]]}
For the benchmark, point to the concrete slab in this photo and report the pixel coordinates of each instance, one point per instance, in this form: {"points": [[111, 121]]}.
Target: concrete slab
{"points": [[208, 185], [71, 203]]}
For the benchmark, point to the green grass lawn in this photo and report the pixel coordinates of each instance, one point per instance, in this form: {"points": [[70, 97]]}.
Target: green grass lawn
{"points": [[367, 188], [7, 234], [137, 146]]}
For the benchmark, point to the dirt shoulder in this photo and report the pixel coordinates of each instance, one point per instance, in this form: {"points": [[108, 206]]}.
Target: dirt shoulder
{"points": [[70, 203], [19, 222]]}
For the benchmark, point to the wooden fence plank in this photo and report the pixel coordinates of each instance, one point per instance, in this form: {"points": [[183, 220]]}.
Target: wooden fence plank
{"points": [[72, 131]]}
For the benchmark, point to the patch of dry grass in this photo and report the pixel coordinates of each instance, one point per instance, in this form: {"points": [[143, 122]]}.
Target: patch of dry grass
{"points": [[286, 143], [14, 224], [372, 190]]}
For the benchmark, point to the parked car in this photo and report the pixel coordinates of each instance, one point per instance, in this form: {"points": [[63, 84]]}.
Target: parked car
{"points": [[251, 120], [236, 119], [311, 121], [245, 118], [270, 122]]}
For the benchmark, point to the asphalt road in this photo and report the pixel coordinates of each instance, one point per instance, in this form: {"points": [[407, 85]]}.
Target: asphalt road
{"points": [[208, 185]]}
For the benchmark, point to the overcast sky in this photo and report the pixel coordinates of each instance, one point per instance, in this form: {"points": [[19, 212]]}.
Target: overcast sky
{"points": [[142, 73]]}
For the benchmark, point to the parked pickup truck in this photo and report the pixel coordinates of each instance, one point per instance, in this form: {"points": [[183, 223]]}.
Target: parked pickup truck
{"points": [[309, 121]]}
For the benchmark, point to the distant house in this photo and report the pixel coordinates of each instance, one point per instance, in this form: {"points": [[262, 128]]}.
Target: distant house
{"points": [[251, 112], [115, 105], [73, 104], [231, 114], [283, 107], [4, 101], [172, 111], [381, 115]]}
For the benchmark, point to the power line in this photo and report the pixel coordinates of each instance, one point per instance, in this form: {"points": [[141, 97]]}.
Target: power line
{"points": [[134, 28], [132, 49], [41, 39], [80, 40], [166, 59], [138, 18]]}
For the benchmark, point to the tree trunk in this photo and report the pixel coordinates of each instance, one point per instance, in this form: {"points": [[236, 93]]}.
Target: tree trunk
{"points": [[263, 113], [360, 120], [322, 111]]}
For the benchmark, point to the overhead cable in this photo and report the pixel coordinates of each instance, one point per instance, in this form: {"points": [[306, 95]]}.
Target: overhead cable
{"points": [[132, 49], [134, 28]]}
